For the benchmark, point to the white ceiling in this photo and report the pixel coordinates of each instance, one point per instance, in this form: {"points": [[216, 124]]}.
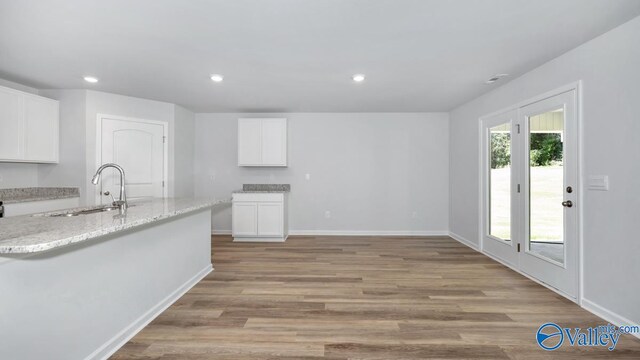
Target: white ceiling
{"points": [[294, 55]]}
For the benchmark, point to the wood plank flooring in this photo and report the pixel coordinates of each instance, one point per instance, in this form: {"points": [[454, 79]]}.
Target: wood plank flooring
{"points": [[362, 298]]}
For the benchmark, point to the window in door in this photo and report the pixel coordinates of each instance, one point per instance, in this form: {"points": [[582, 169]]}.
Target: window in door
{"points": [[500, 182], [546, 180]]}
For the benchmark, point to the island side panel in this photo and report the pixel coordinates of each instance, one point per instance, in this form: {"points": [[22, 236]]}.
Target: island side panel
{"points": [[84, 301]]}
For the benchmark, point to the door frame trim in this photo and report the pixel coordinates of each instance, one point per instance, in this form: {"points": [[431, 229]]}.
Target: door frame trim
{"points": [[577, 87], [165, 147]]}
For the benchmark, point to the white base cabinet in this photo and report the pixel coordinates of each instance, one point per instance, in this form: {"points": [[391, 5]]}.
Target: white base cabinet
{"points": [[259, 217]]}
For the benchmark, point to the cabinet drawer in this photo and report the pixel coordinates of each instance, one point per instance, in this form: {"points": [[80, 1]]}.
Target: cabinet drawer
{"points": [[258, 197]]}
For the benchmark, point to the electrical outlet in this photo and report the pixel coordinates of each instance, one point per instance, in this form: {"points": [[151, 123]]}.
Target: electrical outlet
{"points": [[307, 176], [327, 214], [414, 215]]}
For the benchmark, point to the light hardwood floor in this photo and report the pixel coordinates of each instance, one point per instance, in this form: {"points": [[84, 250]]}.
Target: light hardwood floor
{"points": [[362, 298]]}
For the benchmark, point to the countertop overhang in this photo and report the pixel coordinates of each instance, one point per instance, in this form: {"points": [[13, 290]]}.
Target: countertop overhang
{"points": [[37, 233]]}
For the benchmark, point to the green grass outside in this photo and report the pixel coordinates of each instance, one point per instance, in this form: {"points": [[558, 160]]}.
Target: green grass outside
{"points": [[546, 208]]}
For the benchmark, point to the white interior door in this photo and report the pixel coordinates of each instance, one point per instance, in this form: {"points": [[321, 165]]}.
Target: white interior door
{"points": [[500, 183], [139, 147], [550, 174]]}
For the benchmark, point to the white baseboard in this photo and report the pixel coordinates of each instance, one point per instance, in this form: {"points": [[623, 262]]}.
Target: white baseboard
{"points": [[220, 232], [121, 338], [366, 233], [351, 233], [608, 315], [259, 239], [464, 241]]}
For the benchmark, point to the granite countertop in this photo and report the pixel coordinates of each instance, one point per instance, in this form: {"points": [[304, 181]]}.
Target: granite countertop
{"points": [[37, 233], [264, 188], [259, 191], [18, 195]]}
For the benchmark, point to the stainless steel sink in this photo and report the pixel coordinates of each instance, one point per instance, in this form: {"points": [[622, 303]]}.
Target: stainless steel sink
{"points": [[85, 211]]}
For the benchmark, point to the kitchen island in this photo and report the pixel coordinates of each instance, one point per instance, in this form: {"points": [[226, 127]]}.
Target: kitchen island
{"points": [[78, 287]]}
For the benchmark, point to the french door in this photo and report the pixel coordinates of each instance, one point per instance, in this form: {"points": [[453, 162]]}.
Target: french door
{"points": [[530, 178]]}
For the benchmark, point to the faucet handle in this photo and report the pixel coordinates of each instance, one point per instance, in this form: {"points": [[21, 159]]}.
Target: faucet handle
{"points": [[113, 201]]}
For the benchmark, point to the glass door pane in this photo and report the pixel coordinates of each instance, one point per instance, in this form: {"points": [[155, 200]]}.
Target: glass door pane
{"points": [[500, 181], [546, 185]]}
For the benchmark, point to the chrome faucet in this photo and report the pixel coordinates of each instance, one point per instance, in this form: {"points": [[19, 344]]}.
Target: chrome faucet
{"points": [[122, 202]]}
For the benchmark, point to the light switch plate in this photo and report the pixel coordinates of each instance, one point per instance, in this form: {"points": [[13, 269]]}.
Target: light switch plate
{"points": [[598, 182]]}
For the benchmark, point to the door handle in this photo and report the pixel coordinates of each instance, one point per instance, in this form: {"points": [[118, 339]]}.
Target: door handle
{"points": [[567, 203]]}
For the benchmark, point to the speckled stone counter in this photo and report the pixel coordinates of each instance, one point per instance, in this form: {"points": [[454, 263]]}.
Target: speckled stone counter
{"points": [[259, 191], [264, 188], [19, 195], [36, 233]]}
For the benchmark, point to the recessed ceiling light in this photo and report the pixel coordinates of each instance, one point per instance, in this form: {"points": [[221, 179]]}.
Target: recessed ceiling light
{"points": [[495, 78], [91, 79], [217, 77], [358, 77]]}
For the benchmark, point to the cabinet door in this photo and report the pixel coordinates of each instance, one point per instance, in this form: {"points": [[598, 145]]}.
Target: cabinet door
{"points": [[41, 125], [270, 219], [249, 142], [11, 125], [274, 142], [244, 218]]}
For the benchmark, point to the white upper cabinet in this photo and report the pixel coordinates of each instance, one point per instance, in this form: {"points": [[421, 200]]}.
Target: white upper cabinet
{"points": [[262, 142], [41, 124], [28, 127], [11, 125], [249, 142]]}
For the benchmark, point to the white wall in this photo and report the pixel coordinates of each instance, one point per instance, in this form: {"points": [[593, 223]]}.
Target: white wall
{"points": [[608, 67], [71, 169], [13, 175], [371, 171], [183, 136]]}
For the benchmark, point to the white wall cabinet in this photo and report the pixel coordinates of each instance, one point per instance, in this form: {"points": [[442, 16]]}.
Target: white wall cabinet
{"points": [[259, 217], [262, 142], [28, 127]]}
